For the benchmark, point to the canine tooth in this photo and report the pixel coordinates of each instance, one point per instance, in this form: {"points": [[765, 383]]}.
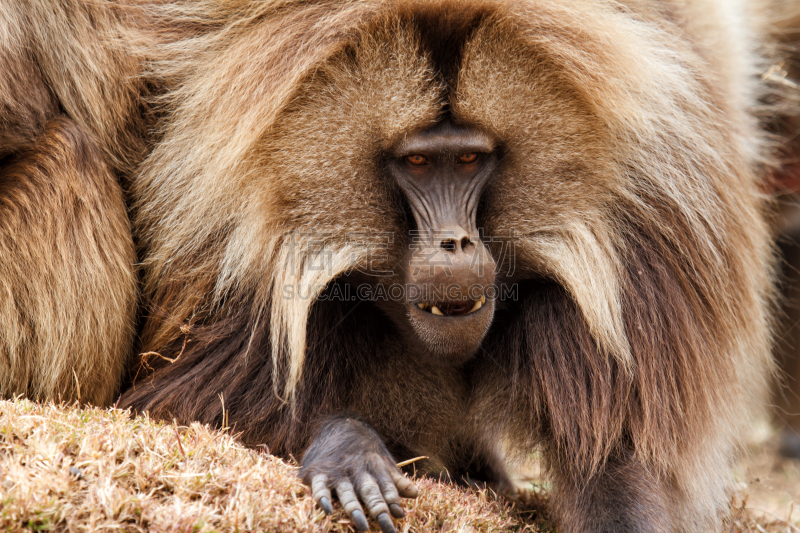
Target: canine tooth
{"points": [[422, 306], [436, 311], [478, 305], [483, 300]]}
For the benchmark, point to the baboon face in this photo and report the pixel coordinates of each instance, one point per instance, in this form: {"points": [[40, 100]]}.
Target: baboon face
{"points": [[442, 172], [423, 167]]}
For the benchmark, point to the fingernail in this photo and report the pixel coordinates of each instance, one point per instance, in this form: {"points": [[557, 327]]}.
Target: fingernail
{"points": [[386, 523], [325, 503], [360, 520], [396, 510]]}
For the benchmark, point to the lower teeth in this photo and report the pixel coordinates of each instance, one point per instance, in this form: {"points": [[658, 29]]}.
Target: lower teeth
{"points": [[435, 310]]}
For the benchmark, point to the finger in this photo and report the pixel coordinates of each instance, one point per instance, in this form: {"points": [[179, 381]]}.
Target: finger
{"points": [[321, 493], [386, 523], [404, 486], [349, 500], [371, 495], [390, 494]]}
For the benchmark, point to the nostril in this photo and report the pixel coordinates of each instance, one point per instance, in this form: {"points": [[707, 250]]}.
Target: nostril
{"points": [[455, 245], [449, 245]]}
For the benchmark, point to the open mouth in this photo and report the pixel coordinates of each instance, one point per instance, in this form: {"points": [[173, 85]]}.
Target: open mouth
{"points": [[459, 308]]}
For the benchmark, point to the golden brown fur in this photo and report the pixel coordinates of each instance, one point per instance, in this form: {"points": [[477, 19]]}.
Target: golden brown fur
{"points": [[68, 288], [634, 155]]}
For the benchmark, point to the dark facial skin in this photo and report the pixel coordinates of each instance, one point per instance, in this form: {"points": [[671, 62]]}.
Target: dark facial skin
{"points": [[442, 172]]}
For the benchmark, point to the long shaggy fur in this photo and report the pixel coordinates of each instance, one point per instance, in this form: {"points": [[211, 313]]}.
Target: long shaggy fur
{"points": [[67, 309], [635, 153]]}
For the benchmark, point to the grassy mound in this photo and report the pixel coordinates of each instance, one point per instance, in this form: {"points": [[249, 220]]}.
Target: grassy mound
{"points": [[65, 468]]}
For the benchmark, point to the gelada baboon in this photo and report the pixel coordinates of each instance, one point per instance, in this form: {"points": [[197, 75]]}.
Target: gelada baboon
{"points": [[375, 230]]}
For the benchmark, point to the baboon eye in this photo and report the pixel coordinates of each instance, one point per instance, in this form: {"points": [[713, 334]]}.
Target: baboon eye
{"points": [[468, 158], [417, 159]]}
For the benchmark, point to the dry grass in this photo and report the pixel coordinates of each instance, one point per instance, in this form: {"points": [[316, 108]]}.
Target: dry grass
{"points": [[771, 484], [64, 468], [68, 469]]}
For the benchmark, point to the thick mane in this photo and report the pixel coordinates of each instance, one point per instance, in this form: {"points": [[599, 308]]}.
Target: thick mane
{"points": [[651, 264], [646, 95], [191, 182]]}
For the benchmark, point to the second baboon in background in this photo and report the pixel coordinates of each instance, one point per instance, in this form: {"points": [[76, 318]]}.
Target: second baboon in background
{"points": [[67, 283], [787, 124]]}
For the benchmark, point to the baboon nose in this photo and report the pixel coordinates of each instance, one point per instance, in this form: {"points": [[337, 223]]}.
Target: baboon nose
{"points": [[456, 240]]}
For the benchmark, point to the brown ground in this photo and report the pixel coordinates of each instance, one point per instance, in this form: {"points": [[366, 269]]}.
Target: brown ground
{"points": [[68, 469], [770, 484]]}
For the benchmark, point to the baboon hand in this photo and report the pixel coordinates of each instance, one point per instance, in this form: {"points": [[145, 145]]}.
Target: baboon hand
{"points": [[348, 457]]}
